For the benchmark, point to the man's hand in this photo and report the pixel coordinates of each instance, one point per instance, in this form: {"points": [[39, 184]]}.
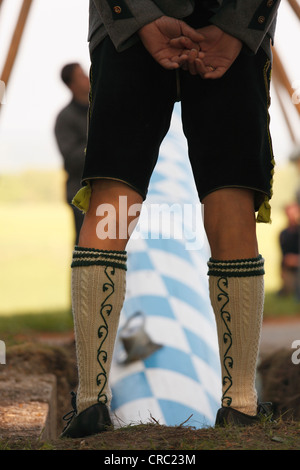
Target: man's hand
{"points": [[218, 52], [169, 41]]}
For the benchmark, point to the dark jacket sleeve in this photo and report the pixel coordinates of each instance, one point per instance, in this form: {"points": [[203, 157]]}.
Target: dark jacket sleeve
{"points": [[248, 20], [122, 19]]}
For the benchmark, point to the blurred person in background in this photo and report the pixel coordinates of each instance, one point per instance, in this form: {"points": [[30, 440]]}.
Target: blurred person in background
{"points": [[289, 245], [71, 133]]}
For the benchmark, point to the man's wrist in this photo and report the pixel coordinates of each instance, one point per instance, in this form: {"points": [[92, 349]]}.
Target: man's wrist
{"points": [[147, 26]]}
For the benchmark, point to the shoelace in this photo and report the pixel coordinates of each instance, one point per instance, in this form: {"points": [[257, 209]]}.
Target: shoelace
{"points": [[69, 416]]}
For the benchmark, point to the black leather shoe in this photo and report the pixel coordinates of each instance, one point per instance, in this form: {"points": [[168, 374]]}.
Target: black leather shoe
{"points": [[227, 415], [92, 420]]}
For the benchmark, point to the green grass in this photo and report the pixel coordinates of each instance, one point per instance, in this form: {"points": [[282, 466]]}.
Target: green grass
{"points": [[155, 438], [48, 321], [278, 307], [35, 253]]}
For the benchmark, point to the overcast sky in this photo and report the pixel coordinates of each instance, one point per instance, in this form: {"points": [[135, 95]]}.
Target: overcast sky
{"points": [[56, 33]]}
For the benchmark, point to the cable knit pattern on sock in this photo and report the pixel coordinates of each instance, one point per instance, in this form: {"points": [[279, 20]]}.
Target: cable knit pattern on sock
{"points": [[237, 302], [98, 291]]}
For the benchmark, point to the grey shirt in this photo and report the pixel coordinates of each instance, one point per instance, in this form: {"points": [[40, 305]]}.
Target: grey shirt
{"points": [[71, 135], [251, 21]]}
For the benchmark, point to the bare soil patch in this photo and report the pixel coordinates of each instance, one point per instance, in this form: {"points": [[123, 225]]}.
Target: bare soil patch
{"points": [[56, 355]]}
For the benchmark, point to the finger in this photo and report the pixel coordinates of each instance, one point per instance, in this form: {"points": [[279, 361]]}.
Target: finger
{"points": [[180, 60], [190, 32], [201, 54], [191, 62], [209, 70], [183, 42], [214, 74], [200, 67], [187, 61], [168, 64]]}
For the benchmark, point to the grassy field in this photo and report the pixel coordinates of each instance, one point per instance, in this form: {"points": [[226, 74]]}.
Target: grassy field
{"points": [[36, 241], [35, 256]]}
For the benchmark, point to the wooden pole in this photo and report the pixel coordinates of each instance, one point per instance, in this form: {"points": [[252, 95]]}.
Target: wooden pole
{"points": [[295, 6], [15, 42], [280, 73], [277, 86]]}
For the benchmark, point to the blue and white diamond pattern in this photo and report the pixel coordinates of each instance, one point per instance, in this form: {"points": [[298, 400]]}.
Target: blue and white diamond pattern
{"points": [[167, 281]]}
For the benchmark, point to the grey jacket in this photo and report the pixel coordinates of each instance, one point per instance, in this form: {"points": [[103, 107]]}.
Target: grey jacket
{"points": [[251, 21], [70, 133]]}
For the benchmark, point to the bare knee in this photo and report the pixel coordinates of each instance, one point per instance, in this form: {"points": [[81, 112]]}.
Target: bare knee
{"points": [[229, 220], [113, 213]]}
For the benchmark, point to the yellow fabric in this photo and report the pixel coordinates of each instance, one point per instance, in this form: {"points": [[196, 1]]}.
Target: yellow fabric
{"points": [[264, 212], [82, 199]]}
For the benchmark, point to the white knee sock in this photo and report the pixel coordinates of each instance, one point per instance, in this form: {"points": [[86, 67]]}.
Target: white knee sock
{"points": [[237, 297], [98, 291]]}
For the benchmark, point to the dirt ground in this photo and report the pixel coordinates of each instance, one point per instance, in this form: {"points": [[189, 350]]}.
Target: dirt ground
{"points": [[47, 354]]}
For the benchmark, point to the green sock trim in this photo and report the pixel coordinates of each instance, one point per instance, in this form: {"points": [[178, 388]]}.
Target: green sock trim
{"points": [[236, 268], [95, 257], [96, 250]]}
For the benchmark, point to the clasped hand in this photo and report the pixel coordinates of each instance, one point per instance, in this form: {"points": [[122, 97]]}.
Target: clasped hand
{"points": [[208, 51]]}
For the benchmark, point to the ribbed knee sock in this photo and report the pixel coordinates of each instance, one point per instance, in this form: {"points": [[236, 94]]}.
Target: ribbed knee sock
{"points": [[98, 291], [237, 297]]}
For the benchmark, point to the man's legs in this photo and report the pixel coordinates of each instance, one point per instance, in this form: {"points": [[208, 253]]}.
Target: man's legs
{"points": [[105, 193], [98, 290], [236, 291]]}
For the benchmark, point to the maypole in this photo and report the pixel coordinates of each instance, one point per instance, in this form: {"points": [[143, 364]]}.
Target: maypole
{"points": [[15, 41]]}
